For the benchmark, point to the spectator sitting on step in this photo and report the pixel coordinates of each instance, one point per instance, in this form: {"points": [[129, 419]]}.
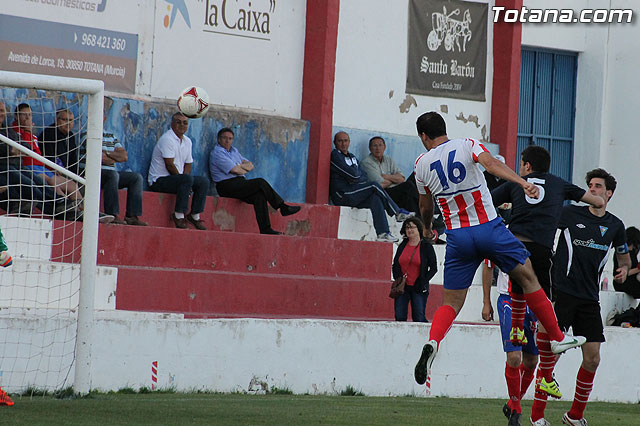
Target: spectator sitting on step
{"points": [[58, 142], [350, 186], [170, 172], [228, 169], [23, 125], [11, 179], [382, 169], [111, 180], [24, 193]]}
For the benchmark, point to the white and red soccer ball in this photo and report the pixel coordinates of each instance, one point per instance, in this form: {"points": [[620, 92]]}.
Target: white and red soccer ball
{"points": [[193, 102]]}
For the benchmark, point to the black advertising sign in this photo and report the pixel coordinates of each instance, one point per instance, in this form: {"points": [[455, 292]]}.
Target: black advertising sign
{"points": [[447, 49]]}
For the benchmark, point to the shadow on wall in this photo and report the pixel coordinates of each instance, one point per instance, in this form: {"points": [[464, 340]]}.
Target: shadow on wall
{"points": [[277, 146]]}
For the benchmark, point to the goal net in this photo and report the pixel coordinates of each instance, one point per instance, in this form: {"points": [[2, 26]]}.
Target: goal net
{"points": [[50, 144]]}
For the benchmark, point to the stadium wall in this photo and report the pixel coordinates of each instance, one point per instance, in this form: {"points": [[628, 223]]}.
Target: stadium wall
{"points": [[322, 357]]}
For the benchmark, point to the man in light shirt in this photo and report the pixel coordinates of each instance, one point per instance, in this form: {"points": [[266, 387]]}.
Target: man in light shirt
{"points": [[170, 172]]}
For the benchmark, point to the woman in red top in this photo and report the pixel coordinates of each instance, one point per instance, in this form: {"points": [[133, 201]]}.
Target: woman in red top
{"points": [[416, 258], [24, 127]]}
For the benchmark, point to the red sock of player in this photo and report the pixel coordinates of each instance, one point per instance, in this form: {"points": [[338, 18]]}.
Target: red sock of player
{"points": [[584, 384], [442, 320], [539, 403], [512, 375], [541, 307], [547, 358], [527, 378], [518, 309]]}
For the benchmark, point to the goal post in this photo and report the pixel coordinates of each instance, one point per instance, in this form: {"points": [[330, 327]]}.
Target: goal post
{"points": [[94, 89]]}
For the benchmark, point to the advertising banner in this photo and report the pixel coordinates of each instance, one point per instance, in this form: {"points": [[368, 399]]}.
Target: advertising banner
{"points": [[69, 50], [447, 49], [96, 39]]}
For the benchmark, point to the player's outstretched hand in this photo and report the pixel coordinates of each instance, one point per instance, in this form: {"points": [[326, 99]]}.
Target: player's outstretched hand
{"points": [[531, 190]]}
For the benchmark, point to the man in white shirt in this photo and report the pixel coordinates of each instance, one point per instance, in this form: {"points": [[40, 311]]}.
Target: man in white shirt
{"points": [[170, 172]]}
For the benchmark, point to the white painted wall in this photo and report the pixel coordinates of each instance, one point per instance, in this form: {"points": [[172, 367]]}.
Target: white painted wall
{"points": [[619, 150], [320, 357], [245, 69], [371, 73]]}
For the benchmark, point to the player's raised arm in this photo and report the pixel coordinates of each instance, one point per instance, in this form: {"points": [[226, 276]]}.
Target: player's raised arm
{"points": [[497, 168], [595, 200]]}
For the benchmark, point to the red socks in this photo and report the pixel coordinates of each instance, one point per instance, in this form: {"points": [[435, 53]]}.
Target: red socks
{"points": [[527, 378], [584, 384], [442, 320], [547, 358], [539, 403], [541, 307], [518, 309], [512, 375]]}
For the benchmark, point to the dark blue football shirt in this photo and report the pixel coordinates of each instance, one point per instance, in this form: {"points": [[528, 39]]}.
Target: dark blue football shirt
{"points": [[537, 218]]}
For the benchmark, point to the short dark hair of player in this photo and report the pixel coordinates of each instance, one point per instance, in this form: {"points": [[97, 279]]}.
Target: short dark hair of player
{"points": [[609, 181], [374, 138], [538, 157], [225, 130], [633, 237], [416, 221], [432, 124], [22, 106]]}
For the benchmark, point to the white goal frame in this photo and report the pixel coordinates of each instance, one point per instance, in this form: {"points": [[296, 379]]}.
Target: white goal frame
{"points": [[88, 262]]}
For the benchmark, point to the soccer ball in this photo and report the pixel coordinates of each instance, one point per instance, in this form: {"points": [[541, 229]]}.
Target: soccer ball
{"points": [[193, 102]]}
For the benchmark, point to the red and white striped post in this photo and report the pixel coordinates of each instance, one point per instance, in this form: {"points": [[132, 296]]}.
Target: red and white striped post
{"points": [[154, 375]]}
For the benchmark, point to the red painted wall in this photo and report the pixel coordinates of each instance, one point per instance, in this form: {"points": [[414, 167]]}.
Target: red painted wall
{"points": [[317, 92]]}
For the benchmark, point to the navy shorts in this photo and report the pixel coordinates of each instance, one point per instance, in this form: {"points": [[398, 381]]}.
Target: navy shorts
{"points": [[530, 327], [468, 247], [580, 314]]}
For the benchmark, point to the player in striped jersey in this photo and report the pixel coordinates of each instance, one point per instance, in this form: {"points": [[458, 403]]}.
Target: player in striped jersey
{"points": [[449, 172]]}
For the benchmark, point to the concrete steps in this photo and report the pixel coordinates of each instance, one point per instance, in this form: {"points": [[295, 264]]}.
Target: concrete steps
{"points": [[218, 251], [211, 294], [309, 273], [226, 214]]}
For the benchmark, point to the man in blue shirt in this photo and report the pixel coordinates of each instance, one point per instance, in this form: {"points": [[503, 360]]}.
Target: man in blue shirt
{"points": [[228, 169]]}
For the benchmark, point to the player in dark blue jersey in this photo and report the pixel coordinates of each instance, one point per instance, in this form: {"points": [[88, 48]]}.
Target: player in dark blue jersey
{"points": [[534, 221], [588, 233]]}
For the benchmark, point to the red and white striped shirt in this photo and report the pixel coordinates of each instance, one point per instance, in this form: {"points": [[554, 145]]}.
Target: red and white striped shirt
{"points": [[451, 174]]}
